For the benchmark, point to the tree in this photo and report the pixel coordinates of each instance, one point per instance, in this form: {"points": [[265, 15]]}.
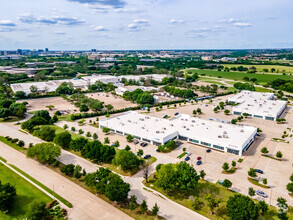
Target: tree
{"points": [[20, 143], [290, 187], [116, 189], [88, 134], [198, 110], [46, 133], [252, 173], [65, 88], [233, 163], [225, 166], [233, 121], [263, 206], [43, 114], [7, 196], [212, 201], [116, 144], [106, 140], [78, 143], [95, 136], [283, 208], [264, 150], [251, 191], [140, 152], [241, 207], [73, 129], [227, 111], [143, 206], [227, 183], [68, 169], [20, 95], [109, 107], [146, 171], [129, 138], [202, 174], [279, 154], [65, 126], [44, 152], [77, 171], [33, 122], [155, 209], [132, 206], [107, 115], [63, 139], [106, 130], [4, 113], [265, 181], [194, 112], [36, 211], [127, 160]]}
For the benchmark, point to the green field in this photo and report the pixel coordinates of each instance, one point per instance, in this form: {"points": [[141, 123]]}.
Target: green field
{"points": [[26, 193], [259, 68], [59, 130], [238, 76]]}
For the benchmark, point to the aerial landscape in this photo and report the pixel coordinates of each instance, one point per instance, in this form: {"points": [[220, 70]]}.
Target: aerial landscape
{"points": [[156, 109]]}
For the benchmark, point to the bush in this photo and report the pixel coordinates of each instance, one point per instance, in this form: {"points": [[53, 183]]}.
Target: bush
{"points": [[14, 140], [68, 169], [20, 143], [7, 196], [44, 152], [46, 133]]}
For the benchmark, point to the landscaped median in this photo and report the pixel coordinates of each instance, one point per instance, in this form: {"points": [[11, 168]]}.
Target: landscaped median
{"points": [[272, 157], [256, 182]]}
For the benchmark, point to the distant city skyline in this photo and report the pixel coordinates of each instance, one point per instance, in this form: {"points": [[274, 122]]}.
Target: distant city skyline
{"points": [[145, 25]]}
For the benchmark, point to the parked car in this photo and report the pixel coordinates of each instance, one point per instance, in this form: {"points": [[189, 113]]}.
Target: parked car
{"points": [[261, 193], [209, 150], [178, 143], [198, 158], [176, 113], [187, 158], [198, 162], [165, 116], [258, 171], [141, 144], [221, 182], [147, 156], [145, 144], [136, 142], [188, 154]]}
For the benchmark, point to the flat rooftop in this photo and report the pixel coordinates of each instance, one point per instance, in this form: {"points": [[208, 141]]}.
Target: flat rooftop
{"points": [[154, 128], [257, 103]]}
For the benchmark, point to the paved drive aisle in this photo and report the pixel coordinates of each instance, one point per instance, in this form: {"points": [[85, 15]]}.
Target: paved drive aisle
{"points": [[86, 205]]}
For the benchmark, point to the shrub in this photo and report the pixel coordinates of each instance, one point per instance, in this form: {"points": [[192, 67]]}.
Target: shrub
{"points": [[68, 169]]}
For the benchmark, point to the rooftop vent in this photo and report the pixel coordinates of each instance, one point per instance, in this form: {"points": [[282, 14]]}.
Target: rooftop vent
{"points": [[225, 136], [220, 126], [225, 132], [219, 136], [241, 130]]}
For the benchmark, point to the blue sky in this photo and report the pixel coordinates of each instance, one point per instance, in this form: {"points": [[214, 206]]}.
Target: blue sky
{"points": [[147, 24]]}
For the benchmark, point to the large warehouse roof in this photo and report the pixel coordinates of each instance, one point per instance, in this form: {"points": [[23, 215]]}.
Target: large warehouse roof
{"points": [[156, 129]]}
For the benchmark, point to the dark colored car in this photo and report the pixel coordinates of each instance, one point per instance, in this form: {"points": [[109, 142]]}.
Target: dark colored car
{"points": [[198, 162], [141, 144], [176, 113], [165, 116], [198, 158], [258, 171], [135, 142], [209, 150], [187, 158], [147, 156]]}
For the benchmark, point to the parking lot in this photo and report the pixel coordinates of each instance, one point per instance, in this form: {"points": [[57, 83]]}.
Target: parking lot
{"points": [[276, 172]]}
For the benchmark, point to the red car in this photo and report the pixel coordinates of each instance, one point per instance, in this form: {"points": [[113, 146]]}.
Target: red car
{"points": [[198, 158]]}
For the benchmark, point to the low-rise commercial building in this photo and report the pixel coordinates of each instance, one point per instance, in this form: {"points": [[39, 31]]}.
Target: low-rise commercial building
{"points": [[229, 138], [258, 105]]}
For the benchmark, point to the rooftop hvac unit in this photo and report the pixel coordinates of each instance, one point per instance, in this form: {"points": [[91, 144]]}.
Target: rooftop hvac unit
{"points": [[187, 129], [171, 125], [225, 136], [219, 136], [163, 132], [183, 126], [241, 130], [185, 119], [220, 126], [193, 121], [164, 128], [157, 132], [225, 132], [203, 123]]}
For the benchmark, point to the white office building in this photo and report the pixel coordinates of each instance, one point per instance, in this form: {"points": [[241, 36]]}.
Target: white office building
{"points": [[258, 105], [229, 138], [102, 78]]}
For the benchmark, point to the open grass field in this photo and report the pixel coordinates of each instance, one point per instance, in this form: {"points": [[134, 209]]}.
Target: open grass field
{"points": [[238, 76], [26, 194], [259, 68]]}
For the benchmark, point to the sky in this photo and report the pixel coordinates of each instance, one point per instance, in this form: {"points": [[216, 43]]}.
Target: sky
{"points": [[145, 24]]}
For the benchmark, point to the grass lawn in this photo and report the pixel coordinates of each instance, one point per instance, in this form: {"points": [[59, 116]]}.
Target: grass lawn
{"points": [[64, 118], [218, 191], [181, 155], [59, 130], [230, 171], [11, 119], [261, 78], [13, 145], [26, 194], [272, 157], [259, 68], [261, 89]]}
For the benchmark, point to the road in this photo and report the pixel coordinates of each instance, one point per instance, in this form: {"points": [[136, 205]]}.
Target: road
{"points": [[168, 208], [85, 204]]}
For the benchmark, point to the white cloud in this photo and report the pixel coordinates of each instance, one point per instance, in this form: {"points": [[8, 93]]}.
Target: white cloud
{"points": [[242, 24], [228, 20], [50, 20], [175, 21], [99, 28], [141, 21], [7, 23]]}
